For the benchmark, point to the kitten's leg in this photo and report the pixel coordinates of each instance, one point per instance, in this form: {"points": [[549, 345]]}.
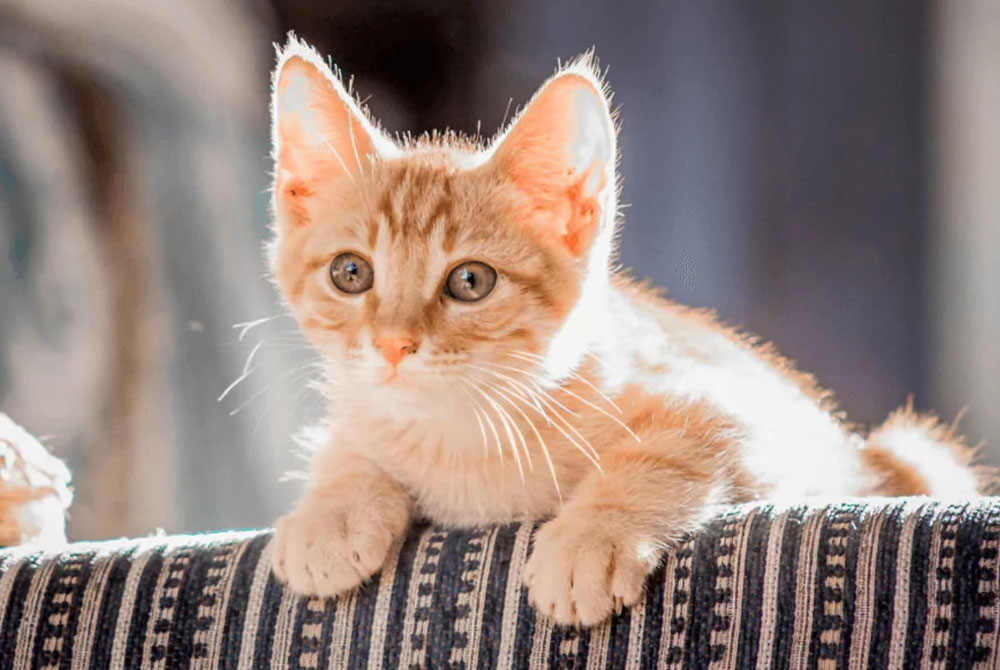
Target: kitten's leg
{"points": [[341, 530], [595, 555]]}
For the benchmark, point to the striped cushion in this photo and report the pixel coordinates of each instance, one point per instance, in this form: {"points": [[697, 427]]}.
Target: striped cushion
{"points": [[872, 584]]}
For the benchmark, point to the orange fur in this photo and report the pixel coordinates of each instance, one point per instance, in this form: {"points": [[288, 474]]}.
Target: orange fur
{"points": [[568, 391]]}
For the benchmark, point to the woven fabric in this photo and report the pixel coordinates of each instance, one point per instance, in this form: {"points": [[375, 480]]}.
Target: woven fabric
{"points": [[871, 584]]}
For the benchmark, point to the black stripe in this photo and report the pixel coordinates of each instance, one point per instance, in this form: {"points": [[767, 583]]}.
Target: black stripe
{"points": [[920, 562], [752, 605], [16, 605], [784, 621], [831, 545], [397, 603], [107, 618], [711, 544], [524, 632], [361, 626], [144, 596], [966, 598], [85, 563], [491, 625], [653, 623], [237, 601], [454, 557], [198, 588], [267, 622], [886, 560]]}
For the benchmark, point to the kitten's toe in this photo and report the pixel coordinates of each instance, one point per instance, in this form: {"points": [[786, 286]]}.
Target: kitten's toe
{"points": [[578, 577]]}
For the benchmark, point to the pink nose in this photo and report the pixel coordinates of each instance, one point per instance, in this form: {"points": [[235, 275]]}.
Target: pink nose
{"points": [[395, 348]]}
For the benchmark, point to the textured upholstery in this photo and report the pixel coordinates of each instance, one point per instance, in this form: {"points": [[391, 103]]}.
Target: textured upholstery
{"points": [[865, 584]]}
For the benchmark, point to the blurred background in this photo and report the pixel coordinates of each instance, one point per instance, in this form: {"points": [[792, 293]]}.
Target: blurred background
{"points": [[826, 174]]}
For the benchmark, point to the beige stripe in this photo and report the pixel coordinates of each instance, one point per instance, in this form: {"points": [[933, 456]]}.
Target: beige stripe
{"points": [[512, 597], [284, 629], [476, 599], [865, 611], [805, 588], [948, 521], [311, 632], [213, 637], [669, 567], [29, 621], [540, 643], [408, 655], [383, 601], [769, 597], [90, 609], [127, 605], [343, 626], [637, 623], [901, 605], [12, 562], [735, 609], [597, 649], [255, 601]]}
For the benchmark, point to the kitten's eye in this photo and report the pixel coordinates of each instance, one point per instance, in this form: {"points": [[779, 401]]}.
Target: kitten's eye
{"points": [[470, 281], [351, 273]]}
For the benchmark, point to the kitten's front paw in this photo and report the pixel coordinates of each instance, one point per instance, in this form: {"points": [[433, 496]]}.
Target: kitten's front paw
{"points": [[331, 543], [578, 573]]}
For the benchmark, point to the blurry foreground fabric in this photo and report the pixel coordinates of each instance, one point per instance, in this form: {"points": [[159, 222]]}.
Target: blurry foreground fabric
{"points": [[865, 584]]}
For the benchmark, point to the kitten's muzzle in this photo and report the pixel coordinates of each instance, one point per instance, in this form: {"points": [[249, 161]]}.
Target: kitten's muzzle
{"points": [[394, 349]]}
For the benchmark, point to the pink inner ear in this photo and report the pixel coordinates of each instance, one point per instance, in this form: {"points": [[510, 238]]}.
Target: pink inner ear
{"points": [[318, 132], [542, 155]]}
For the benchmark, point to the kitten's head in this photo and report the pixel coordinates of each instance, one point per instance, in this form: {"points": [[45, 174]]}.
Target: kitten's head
{"points": [[417, 267]]}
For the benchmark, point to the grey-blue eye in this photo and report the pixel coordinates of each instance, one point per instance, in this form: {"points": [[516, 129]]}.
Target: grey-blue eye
{"points": [[351, 273], [470, 281]]}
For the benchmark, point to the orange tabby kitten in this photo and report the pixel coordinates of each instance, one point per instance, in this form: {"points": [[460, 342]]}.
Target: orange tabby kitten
{"points": [[487, 364]]}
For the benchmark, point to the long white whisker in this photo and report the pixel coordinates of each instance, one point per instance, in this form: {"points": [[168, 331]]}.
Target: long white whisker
{"points": [[243, 375], [512, 400], [282, 377], [523, 355], [517, 429], [587, 450], [577, 396], [522, 385], [503, 420], [489, 422], [246, 326]]}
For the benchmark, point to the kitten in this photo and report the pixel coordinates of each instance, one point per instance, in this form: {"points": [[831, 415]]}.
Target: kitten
{"points": [[486, 364]]}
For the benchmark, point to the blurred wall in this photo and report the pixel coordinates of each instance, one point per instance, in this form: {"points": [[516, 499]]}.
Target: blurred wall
{"points": [[823, 173]]}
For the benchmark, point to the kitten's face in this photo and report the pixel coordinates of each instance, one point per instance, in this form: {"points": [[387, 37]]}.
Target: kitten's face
{"points": [[429, 269]]}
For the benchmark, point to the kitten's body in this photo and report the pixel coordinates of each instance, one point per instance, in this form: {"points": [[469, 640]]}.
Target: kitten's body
{"points": [[565, 391]]}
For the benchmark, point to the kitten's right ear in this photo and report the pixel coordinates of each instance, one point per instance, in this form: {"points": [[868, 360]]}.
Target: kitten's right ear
{"points": [[318, 130]]}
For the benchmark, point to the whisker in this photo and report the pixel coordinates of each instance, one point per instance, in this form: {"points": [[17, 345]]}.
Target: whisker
{"points": [[511, 399], [577, 396], [503, 420], [523, 355], [517, 429], [297, 370], [243, 375], [246, 326], [489, 422]]}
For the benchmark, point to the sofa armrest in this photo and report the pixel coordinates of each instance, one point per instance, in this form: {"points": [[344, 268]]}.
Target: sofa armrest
{"points": [[886, 583]]}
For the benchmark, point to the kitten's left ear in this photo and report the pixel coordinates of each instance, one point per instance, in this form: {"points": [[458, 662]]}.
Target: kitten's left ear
{"points": [[319, 131], [561, 153]]}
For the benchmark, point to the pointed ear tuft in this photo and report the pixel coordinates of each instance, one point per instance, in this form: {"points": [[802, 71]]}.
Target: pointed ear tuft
{"points": [[561, 153], [318, 130]]}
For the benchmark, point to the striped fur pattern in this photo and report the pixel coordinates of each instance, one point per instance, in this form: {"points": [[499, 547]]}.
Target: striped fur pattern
{"points": [[903, 583]]}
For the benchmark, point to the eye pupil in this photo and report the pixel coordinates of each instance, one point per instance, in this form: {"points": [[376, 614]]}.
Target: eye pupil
{"points": [[351, 273], [470, 281]]}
